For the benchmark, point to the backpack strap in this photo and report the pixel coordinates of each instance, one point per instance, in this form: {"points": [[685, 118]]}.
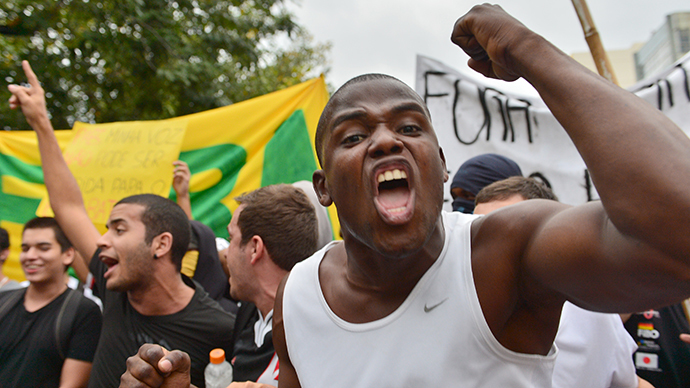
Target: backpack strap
{"points": [[65, 320], [14, 298]]}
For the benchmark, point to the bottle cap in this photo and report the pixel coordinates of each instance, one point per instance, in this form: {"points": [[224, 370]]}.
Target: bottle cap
{"points": [[217, 356]]}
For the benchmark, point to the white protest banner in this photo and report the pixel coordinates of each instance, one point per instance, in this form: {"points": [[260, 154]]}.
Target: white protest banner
{"points": [[473, 116]]}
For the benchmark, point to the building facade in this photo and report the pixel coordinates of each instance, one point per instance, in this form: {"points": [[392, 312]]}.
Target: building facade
{"points": [[668, 44]]}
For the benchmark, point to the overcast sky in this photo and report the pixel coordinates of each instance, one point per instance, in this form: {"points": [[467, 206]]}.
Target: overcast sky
{"points": [[386, 35]]}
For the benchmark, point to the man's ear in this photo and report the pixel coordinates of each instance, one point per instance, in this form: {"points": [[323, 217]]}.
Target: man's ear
{"points": [[68, 257], [321, 189], [256, 248], [445, 168], [4, 254], [162, 244]]}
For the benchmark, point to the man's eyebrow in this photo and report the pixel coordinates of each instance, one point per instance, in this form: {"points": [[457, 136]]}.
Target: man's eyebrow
{"points": [[39, 244], [410, 106], [351, 115], [357, 114], [115, 221]]}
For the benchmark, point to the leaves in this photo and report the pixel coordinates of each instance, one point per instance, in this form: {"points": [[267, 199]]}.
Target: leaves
{"points": [[105, 61]]}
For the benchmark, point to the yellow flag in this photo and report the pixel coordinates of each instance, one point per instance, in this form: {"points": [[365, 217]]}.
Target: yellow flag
{"points": [[229, 150]]}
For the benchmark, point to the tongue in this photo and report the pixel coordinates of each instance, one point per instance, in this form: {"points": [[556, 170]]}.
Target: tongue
{"points": [[394, 198]]}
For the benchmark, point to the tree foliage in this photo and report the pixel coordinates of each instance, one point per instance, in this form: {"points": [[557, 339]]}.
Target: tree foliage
{"points": [[105, 61]]}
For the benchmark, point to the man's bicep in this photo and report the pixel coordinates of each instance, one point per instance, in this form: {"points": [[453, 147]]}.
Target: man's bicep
{"points": [[577, 252], [75, 373]]}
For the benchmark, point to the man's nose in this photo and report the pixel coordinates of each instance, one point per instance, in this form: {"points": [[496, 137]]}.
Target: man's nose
{"points": [[29, 253], [103, 241], [384, 141]]}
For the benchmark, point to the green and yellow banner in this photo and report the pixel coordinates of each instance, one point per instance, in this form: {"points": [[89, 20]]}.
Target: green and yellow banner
{"points": [[229, 150]]}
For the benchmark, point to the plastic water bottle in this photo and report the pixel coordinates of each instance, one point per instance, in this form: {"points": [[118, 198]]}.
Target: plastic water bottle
{"points": [[218, 373]]}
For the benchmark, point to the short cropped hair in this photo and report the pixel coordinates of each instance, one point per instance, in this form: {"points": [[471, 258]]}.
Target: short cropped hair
{"points": [[162, 215], [328, 109], [284, 218], [4, 239], [49, 223], [528, 188]]}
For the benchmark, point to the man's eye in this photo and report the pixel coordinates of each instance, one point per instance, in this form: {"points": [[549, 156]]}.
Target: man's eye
{"points": [[409, 129], [353, 139]]}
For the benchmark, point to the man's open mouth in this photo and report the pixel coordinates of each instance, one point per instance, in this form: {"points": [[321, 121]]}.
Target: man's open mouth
{"points": [[110, 263], [394, 196]]}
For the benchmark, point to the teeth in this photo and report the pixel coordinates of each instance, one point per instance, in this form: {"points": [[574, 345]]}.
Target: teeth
{"points": [[392, 175], [397, 210]]}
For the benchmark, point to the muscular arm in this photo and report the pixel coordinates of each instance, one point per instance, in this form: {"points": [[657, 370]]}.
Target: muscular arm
{"points": [[63, 191], [593, 254], [75, 373], [288, 376]]}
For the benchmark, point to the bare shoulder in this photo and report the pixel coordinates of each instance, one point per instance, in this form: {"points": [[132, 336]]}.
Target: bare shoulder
{"points": [[515, 224]]}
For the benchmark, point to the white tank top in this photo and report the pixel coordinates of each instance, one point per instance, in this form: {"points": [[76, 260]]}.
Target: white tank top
{"points": [[437, 338]]}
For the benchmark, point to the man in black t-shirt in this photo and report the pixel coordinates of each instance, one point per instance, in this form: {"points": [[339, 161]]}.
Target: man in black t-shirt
{"points": [[48, 332], [273, 228], [137, 261]]}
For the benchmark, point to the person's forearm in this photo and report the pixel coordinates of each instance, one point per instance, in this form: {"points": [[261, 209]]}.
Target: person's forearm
{"points": [[75, 373], [64, 193], [186, 205], [62, 187]]}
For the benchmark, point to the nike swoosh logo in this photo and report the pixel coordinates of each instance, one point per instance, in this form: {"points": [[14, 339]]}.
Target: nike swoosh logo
{"points": [[429, 308]]}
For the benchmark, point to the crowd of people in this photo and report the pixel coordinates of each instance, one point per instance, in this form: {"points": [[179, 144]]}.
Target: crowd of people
{"points": [[512, 289]]}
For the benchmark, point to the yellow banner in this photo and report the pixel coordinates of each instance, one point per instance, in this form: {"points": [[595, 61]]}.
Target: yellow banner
{"points": [[113, 161], [229, 150]]}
